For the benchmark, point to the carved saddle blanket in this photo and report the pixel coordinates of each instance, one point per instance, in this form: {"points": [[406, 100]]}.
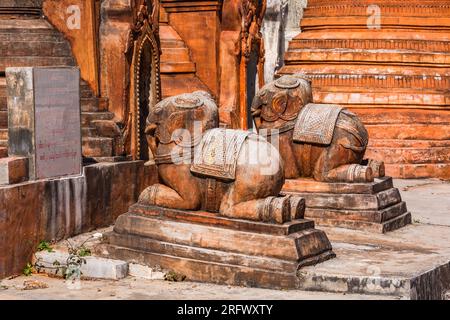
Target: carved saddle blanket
{"points": [[316, 123], [217, 154]]}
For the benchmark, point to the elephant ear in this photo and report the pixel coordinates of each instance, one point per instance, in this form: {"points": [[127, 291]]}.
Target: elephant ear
{"points": [[294, 105], [169, 129], [272, 112]]}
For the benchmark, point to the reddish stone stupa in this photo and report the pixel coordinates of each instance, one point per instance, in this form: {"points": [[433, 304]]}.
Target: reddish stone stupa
{"points": [[388, 61]]}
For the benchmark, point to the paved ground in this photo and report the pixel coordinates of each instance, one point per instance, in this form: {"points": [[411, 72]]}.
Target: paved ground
{"points": [[133, 288], [428, 200]]}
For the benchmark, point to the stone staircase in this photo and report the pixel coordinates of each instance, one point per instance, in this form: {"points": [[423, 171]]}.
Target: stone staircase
{"points": [[32, 41], [178, 72]]}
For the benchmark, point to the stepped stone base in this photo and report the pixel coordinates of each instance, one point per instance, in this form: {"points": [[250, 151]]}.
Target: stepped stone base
{"points": [[375, 207], [209, 248]]}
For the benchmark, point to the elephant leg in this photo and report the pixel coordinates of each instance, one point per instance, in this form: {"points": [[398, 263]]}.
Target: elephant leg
{"points": [[270, 209], [339, 163], [181, 189], [378, 167], [348, 173]]}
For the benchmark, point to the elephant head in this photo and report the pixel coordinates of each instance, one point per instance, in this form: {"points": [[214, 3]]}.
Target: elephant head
{"points": [[181, 120], [278, 103]]}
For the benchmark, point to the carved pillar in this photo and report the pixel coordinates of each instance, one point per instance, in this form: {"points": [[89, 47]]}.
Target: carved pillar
{"points": [[143, 51], [116, 21], [241, 60]]}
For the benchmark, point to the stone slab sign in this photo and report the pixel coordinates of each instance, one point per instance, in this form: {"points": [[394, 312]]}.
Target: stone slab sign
{"points": [[44, 119]]}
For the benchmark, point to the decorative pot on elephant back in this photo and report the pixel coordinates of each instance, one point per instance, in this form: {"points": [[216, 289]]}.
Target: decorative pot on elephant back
{"points": [[201, 167], [326, 142]]}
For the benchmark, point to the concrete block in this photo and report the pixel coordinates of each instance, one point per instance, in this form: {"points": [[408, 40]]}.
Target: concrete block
{"points": [[13, 170], [95, 267], [145, 272]]}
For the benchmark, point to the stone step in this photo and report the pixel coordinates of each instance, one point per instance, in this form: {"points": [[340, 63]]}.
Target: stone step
{"points": [[419, 171], [175, 54], [3, 152], [387, 57], [35, 48], [361, 96], [28, 36], [3, 103], [3, 119], [88, 117], [394, 23], [414, 155], [89, 104], [402, 116], [3, 134], [88, 132], [97, 147], [168, 43], [370, 44], [409, 132], [413, 144], [85, 90], [38, 61], [178, 67]]}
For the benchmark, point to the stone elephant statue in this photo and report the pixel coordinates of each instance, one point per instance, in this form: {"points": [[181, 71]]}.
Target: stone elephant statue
{"points": [[326, 142], [203, 167]]}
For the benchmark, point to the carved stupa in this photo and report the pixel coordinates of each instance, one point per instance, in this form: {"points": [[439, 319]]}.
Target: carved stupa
{"points": [[389, 62]]}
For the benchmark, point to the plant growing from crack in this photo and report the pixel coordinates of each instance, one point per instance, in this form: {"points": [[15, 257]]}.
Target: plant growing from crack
{"points": [[69, 269]]}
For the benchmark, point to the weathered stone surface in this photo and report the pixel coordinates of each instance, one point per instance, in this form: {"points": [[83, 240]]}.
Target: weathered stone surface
{"points": [[26, 42], [13, 170], [144, 272], [60, 208], [368, 56], [281, 24], [375, 207], [44, 119], [95, 267], [413, 262], [204, 249]]}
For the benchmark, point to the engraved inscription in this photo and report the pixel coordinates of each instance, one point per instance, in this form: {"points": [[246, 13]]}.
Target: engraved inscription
{"points": [[57, 122]]}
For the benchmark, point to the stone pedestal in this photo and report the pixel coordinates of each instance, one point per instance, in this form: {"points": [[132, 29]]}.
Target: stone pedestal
{"points": [[376, 206], [44, 121], [206, 247]]}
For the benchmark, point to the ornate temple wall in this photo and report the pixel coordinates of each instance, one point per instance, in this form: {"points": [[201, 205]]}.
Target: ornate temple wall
{"points": [[389, 63]]}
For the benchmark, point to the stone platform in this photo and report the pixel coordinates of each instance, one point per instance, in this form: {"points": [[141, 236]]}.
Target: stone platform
{"points": [[413, 263], [375, 207], [208, 248]]}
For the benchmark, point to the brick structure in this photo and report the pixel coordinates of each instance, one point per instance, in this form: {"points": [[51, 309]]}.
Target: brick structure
{"points": [[389, 63]]}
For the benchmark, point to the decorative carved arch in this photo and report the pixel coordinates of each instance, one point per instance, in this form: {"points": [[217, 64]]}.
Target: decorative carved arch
{"points": [[145, 85]]}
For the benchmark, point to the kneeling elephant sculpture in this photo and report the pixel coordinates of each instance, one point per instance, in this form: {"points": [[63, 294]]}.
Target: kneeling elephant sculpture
{"points": [[325, 142], [202, 167]]}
